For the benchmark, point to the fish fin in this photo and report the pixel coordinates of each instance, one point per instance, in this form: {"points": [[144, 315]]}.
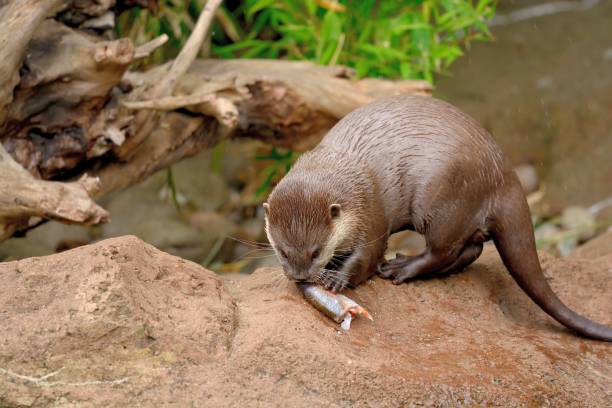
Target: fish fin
{"points": [[346, 323]]}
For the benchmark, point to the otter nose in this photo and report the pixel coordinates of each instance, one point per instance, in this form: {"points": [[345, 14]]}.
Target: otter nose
{"points": [[298, 276], [295, 276]]}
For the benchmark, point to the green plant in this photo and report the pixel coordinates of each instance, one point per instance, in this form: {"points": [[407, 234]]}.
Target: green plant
{"points": [[176, 18], [281, 161], [410, 39], [172, 189]]}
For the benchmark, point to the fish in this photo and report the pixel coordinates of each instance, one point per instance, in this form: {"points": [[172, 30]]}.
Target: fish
{"points": [[337, 307]]}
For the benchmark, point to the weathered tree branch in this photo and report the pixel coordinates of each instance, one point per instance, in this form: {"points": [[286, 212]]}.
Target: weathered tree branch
{"points": [[76, 108], [67, 78], [147, 49], [24, 198], [145, 122], [288, 104], [20, 19], [188, 54]]}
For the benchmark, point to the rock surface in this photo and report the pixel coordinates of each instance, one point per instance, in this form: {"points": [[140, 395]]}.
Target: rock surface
{"points": [[128, 325], [529, 88], [158, 222]]}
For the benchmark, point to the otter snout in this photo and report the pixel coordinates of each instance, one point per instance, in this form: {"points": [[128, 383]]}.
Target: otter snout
{"points": [[299, 276], [297, 266]]}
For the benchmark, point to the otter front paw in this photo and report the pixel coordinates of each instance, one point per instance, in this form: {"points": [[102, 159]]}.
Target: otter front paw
{"points": [[335, 286]]}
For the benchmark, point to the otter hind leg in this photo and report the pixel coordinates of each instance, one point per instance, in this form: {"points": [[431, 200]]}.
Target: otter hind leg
{"points": [[430, 263], [470, 253]]}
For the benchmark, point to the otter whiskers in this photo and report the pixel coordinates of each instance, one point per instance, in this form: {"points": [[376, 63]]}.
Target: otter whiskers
{"points": [[260, 245]]}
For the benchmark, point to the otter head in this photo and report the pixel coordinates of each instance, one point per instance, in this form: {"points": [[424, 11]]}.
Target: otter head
{"points": [[308, 230]]}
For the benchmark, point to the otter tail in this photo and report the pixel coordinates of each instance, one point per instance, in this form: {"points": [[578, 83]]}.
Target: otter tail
{"points": [[515, 243]]}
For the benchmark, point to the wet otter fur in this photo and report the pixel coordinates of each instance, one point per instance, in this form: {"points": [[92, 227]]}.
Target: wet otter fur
{"points": [[407, 162]]}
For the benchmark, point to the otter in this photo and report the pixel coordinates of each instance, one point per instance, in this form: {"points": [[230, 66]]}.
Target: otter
{"points": [[407, 162]]}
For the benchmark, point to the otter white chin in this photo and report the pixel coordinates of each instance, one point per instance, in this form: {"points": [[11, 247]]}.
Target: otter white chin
{"points": [[407, 162]]}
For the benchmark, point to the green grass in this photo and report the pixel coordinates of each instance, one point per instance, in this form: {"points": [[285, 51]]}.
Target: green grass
{"points": [[412, 39], [409, 39]]}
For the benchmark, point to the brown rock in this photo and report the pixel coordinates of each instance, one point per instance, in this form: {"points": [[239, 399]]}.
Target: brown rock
{"points": [[539, 104], [600, 246], [213, 223], [118, 312], [156, 220], [580, 220], [132, 326], [528, 177], [51, 237]]}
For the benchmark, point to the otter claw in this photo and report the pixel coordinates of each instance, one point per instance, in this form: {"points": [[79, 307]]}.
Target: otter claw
{"points": [[395, 268], [384, 272]]}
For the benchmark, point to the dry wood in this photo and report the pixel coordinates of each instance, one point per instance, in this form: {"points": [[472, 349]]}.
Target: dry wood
{"points": [[74, 107], [145, 122], [25, 201], [20, 19], [189, 52], [67, 78], [147, 49], [285, 103]]}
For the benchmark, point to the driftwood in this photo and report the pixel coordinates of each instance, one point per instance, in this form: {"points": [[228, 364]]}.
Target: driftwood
{"points": [[26, 201], [20, 19], [70, 105]]}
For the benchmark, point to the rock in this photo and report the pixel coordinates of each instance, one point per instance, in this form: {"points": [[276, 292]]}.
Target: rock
{"points": [[580, 221], [602, 210], [528, 176], [212, 223], [566, 245], [595, 248], [239, 165], [202, 188], [546, 234], [118, 315], [408, 242], [219, 230], [50, 237], [155, 221], [19, 248], [563, 129], [158, 223], [254, 227], [126, 324]]}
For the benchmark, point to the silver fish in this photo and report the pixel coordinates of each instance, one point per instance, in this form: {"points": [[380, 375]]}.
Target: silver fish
{"points": [[339, 308]]}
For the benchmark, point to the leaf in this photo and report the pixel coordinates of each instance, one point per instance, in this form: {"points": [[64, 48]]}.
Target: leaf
{"points": [[405, 70], [382, 52], [328, 37], [311, 6], [257, 5], [265, 186], [362, 68]]}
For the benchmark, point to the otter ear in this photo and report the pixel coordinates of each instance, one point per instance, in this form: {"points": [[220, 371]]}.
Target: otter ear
{"points": [[334, 210], [266, 207]]}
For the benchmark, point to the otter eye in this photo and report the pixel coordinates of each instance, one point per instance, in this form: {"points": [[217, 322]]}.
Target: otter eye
{"points": [[316, 253]]}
